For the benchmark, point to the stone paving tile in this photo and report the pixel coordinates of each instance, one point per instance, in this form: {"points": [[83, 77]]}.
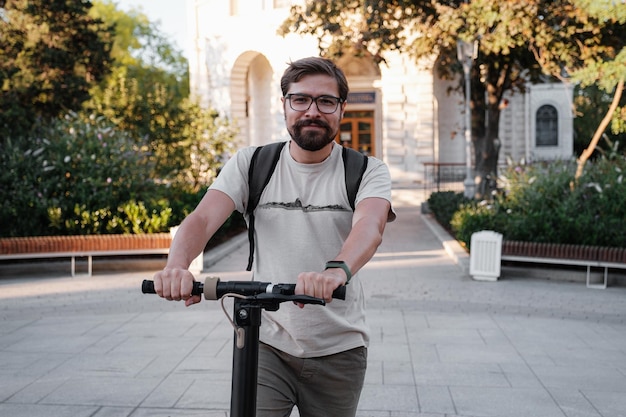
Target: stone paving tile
{"points": [[442, 344], [509, 402]]}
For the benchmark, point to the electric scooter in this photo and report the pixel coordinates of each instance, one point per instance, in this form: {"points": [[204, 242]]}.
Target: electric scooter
{"points": [[250, 297]]}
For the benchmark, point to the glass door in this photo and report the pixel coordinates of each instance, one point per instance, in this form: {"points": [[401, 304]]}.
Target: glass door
{"points": [[357, 131]]}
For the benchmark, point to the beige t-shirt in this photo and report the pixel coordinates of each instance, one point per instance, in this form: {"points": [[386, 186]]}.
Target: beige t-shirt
{"points": [[301, 222]]}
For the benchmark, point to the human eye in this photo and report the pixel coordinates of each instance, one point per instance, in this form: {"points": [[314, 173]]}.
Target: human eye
{"points": [[327, 101], [299, 99]]}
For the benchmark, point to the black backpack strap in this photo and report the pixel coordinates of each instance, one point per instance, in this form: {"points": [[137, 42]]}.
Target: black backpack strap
{"points": [[262, 166], [355, 164]]}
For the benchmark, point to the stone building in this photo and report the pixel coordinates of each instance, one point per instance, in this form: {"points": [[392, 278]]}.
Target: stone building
{"points": [[400, 112]]}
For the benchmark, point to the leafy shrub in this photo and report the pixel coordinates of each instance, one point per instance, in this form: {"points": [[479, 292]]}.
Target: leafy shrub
{"points": [[541, 203], [471, 218], [444, 204], [82, 177], [131, 217], [23, 206]]}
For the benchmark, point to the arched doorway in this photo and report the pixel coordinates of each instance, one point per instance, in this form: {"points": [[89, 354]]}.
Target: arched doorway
{"points": [[250, 94]]}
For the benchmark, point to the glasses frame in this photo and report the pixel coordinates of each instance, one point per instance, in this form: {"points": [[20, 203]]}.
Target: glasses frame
{"points": [[313, 100]]}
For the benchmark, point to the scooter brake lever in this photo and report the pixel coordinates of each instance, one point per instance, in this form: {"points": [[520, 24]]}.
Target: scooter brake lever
{"points": [[280, 298]]}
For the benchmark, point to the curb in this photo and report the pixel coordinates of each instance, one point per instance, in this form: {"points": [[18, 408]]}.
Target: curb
{"points": [[218, 253], [452, 247]]}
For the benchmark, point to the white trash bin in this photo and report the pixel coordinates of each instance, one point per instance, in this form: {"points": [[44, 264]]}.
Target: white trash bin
{"points": [[485, 255]]}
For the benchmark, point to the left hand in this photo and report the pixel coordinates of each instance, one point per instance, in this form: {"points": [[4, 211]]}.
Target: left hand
{"points": [[320, 284]]}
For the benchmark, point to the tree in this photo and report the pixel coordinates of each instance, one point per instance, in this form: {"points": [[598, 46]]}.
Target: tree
{"points": [[147, 95], [591, 63], [135, 157], [591, 104], [508, 33], [147, 84], [52, 52]]}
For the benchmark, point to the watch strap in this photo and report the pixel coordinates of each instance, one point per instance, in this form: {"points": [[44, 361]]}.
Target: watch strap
{"points": [[342, 265]]}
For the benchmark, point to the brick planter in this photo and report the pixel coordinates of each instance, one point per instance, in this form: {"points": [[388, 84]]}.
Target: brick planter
{"points": [[88, 243], [564, 251]]}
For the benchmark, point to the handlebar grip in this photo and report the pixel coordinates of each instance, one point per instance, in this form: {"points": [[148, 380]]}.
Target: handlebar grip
{"points": [[340, 293], [214, 289], [289, 289], [147, 287]]}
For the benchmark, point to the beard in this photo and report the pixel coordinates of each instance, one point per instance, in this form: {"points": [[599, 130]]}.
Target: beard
{"points": [[312, 140]]}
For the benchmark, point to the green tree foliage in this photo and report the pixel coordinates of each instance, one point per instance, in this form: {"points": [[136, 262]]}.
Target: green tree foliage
{"points": [[135, 158], [589, 61], [147, 95], [591, 104], [52, 53], [519, 41]]}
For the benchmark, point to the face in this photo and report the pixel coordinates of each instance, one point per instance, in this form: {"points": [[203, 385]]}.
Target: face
{"points": [[312, 130]]}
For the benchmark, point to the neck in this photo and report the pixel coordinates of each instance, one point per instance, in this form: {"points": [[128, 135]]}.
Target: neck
{"points": [[303, 156]]}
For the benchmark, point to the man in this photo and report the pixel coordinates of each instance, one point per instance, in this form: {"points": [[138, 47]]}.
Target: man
{"points": [[313, 357]]}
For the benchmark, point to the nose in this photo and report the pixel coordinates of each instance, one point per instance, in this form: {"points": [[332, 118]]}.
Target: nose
{"points": [[313, 111]]}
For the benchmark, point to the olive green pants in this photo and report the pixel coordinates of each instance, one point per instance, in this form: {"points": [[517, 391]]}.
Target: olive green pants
{"points": [[328, 386]]}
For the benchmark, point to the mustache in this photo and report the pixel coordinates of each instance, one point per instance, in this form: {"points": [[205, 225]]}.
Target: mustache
{"points": [[310, 122]]}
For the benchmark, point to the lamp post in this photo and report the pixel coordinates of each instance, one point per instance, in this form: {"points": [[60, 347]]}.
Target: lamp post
{"points": [[466, 53]]}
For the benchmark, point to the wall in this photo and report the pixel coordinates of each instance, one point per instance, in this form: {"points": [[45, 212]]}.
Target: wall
{"points": [[238, 62]]}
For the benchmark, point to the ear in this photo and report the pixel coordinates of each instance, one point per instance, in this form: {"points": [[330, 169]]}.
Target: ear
{"points": [[282, 100], [343, 109]]}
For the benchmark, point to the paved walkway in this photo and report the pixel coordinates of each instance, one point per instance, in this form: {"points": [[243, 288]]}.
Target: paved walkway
{"points": [[443, 344]]}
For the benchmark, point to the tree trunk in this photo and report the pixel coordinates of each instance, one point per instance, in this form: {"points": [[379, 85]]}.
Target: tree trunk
{"points": [[487, 148], [601, 128]]}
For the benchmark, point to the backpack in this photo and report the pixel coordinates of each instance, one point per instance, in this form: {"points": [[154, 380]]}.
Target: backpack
{"points": [[259, 174]]}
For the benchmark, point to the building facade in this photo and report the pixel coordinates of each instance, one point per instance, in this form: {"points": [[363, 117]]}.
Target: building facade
{"points": [[400, 112]]}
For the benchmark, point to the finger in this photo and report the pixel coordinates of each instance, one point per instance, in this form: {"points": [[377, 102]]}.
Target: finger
{"points": [[175, 290], [186, 287], [300, 285], [194, 299], [166, 287], [328, 293], [332, 282], [158, 284]]}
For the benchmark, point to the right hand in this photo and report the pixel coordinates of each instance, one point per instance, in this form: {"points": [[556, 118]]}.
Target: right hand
{"points": [[175, 284]]}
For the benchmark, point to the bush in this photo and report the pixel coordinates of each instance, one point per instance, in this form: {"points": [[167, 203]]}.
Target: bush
{"points": [[80, 177], [444, 204], [541, 203], [471, 218]]}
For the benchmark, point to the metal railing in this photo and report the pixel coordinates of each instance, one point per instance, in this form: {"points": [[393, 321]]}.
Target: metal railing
{"points": [[443, 176]]}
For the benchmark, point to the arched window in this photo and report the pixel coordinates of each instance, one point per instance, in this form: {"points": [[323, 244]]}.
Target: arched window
{"points": [[547, 126]]}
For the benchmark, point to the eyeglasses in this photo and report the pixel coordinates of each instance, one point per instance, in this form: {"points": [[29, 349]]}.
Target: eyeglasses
{"points": [[325, 104]]}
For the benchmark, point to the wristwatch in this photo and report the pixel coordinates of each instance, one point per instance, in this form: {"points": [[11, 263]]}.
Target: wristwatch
{"points": [[342, 265]]}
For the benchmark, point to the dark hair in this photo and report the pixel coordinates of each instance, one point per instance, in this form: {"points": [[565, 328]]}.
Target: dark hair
{"points": [[312, 66]]}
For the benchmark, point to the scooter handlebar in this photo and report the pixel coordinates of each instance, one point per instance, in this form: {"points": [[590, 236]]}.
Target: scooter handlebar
{"points": [[214, 289]]}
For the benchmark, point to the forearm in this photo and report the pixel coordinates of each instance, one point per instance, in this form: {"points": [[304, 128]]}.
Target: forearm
{"points": [[368, 225], [360, 246], [366, 234], [197, 228], [189, 241]]}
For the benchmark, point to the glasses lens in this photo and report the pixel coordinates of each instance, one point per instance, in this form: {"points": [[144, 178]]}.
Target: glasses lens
{"points": [[300, 103], [327, 104]]}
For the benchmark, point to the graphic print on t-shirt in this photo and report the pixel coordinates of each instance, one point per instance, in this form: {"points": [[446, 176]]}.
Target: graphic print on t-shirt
{"points": [[297, 205]]}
